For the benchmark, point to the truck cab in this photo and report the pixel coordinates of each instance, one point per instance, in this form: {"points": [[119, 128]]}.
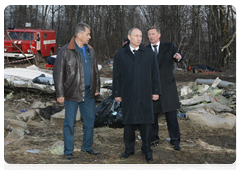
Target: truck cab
{"points": [[24, 43]]}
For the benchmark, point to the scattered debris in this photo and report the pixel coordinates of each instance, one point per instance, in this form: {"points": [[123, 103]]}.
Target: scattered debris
{"points": [[42, 79], [196, 99], [9, 96], [48, 111], [43, 137], [33, 151], [185, 90], [25, 73], [58, 118], [18, 128], [14, 82], [206, 105], [57, 148], [27, 116]]}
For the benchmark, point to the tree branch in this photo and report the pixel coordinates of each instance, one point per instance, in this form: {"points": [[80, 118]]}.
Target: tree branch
{"points": [[229, 42]]}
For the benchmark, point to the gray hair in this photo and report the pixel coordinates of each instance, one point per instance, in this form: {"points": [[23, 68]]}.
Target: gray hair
{"points": [[80, 27], [130, 31], [154, 27]]}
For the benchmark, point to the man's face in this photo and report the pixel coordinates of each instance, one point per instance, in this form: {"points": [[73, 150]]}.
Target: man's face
{"points": [[85, 37], [135, 38], [153, 36]]}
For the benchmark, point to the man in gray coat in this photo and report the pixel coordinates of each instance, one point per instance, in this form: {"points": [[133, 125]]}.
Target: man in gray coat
{"points": [[136, 83]]}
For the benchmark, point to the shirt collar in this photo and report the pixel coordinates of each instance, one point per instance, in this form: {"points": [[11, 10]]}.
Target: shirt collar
{"points": [[158, 44], [133, 48]]}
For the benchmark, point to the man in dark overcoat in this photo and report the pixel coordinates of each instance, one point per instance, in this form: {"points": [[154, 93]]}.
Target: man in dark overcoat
{"points": [[135, 84], [168, 102]]}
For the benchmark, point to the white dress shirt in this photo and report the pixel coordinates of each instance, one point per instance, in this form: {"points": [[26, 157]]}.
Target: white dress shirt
{"points": [[133, 48], [158, 44]]}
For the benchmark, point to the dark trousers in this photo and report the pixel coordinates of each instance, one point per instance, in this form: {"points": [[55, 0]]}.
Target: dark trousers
{"points": [[172, 124], [129, 137], [87, 113]]}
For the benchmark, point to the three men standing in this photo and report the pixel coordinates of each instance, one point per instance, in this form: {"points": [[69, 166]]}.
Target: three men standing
{"points": [[77, 81], [136, 83]]}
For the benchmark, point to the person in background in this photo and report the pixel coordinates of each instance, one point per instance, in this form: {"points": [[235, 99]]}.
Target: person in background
{"points": [[135, 84], [77, 82], [168, 102]]}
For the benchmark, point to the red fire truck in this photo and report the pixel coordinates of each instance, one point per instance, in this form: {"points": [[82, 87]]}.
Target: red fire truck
{"points": [[22, 43]]}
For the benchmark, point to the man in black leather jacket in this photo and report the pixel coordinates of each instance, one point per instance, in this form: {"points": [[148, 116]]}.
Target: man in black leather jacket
{"points": [[77, 82]]}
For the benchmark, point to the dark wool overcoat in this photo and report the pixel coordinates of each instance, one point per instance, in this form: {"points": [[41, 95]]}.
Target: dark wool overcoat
{"points": [[135, 80], [169, 100]]}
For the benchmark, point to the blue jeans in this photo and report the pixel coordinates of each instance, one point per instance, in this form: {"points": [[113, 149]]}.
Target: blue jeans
{"points": [[87, 110]]}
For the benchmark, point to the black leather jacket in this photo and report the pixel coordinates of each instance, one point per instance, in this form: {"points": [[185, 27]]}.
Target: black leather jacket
{"points": [[68, 74]]}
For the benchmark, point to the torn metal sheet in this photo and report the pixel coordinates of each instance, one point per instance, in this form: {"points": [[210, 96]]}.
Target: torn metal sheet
{"points": [[186, 90], [196, 99], [215, 106], [14, 81]]}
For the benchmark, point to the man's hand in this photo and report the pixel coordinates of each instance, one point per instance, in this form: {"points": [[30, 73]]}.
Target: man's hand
{"points": [[155, 97], [60, 100], [177, 56], [118, 99], [96, 93]]}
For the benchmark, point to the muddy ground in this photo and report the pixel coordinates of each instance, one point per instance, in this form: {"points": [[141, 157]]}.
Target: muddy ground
{"points": [[109, 141]]}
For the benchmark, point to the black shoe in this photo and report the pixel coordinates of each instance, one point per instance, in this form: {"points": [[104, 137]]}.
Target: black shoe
{"points": [[91, 152], [155, 143], [177, 147], [69, 156], [149, 158], [126, 155]]}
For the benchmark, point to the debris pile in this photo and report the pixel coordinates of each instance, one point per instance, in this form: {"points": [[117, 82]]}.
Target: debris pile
{"points": [[210, 102]]}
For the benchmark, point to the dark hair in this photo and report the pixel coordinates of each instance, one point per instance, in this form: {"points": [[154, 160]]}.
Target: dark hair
{"points": [[154, 27], [80, 27]]}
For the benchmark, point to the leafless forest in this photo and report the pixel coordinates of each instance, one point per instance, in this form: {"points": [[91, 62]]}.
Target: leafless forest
{"points": [[205, 34]]}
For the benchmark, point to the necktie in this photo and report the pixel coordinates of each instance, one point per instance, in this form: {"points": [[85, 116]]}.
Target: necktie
{"points": [[134, 52], [155, 48]]}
